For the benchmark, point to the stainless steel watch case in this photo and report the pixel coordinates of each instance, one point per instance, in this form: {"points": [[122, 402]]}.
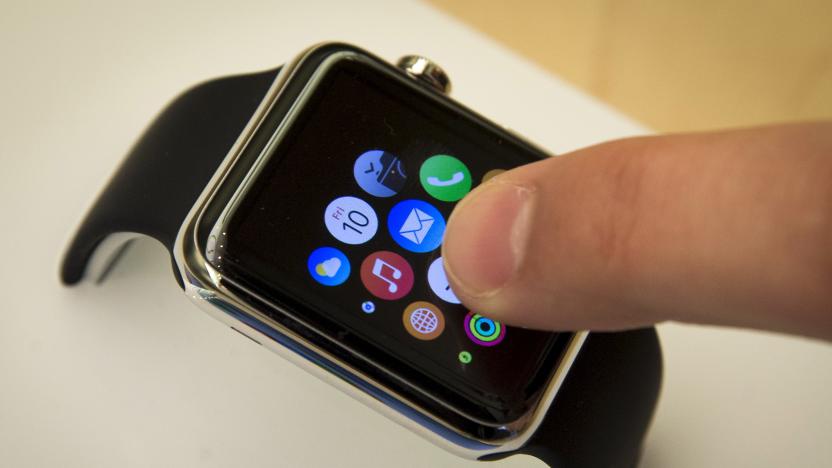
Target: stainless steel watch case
{"points": [[205, 286]]}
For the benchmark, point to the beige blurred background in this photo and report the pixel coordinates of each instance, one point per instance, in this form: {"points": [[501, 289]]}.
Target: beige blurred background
{"points": [[676, 65]]}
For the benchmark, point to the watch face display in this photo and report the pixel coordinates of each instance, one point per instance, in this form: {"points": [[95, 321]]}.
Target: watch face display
{"points": [[345, 221]]}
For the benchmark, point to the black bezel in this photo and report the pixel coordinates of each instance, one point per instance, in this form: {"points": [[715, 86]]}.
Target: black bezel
{"points": [[454, 408]]}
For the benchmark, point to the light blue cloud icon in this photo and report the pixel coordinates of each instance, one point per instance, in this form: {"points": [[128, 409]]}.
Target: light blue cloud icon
{"points": [[328, 266]]}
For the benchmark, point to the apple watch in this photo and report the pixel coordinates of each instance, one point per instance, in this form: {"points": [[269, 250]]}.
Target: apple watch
{"points": [[305, 207]]}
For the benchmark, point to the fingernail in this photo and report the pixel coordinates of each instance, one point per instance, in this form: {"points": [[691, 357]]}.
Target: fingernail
{"points": [[486, 237]]}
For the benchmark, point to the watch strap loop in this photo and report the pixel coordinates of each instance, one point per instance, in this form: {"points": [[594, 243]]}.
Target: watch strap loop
{"points": [[601, 414], [167, 169]]}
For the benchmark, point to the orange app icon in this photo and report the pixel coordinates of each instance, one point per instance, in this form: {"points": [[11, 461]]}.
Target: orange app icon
{"points": [[423, 320]]}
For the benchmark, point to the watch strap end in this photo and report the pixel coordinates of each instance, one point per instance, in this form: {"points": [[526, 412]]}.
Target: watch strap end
{"points": [[157, 184]]}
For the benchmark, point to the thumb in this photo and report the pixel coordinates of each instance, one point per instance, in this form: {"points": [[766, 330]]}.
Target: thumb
{"points": [[731, 228]]}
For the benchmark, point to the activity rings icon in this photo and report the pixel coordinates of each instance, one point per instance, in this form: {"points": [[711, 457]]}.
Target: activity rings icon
{"points": [[483, 330]]}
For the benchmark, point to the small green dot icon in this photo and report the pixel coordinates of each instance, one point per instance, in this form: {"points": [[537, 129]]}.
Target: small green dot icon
{"points": [[465, 357], [445, 178]]}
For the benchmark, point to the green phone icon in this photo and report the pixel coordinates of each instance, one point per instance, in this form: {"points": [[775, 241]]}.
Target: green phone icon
{"points": [[445, 177]]}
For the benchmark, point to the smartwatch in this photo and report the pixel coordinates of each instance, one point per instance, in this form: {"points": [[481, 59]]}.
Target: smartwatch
{"points": [[305, 207]]}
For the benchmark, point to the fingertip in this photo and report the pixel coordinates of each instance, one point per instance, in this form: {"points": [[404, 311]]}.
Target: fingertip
{"points": [[485, 238]]}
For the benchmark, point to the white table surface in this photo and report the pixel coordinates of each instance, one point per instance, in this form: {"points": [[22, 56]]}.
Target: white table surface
{"points": [[131, 374]]}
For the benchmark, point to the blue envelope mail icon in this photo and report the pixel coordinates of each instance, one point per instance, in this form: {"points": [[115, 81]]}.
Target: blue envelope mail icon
{"points": [[416, 226]]}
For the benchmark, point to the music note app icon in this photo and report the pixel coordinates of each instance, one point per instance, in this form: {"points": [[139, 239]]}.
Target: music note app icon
{"points": [[386, 275]]}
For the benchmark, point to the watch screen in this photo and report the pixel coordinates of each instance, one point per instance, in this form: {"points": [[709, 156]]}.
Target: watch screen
{"points": [[346, 217]]}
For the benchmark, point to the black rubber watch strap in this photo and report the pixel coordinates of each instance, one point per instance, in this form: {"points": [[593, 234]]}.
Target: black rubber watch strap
{"points": [[602, 412], [158, 183]]}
